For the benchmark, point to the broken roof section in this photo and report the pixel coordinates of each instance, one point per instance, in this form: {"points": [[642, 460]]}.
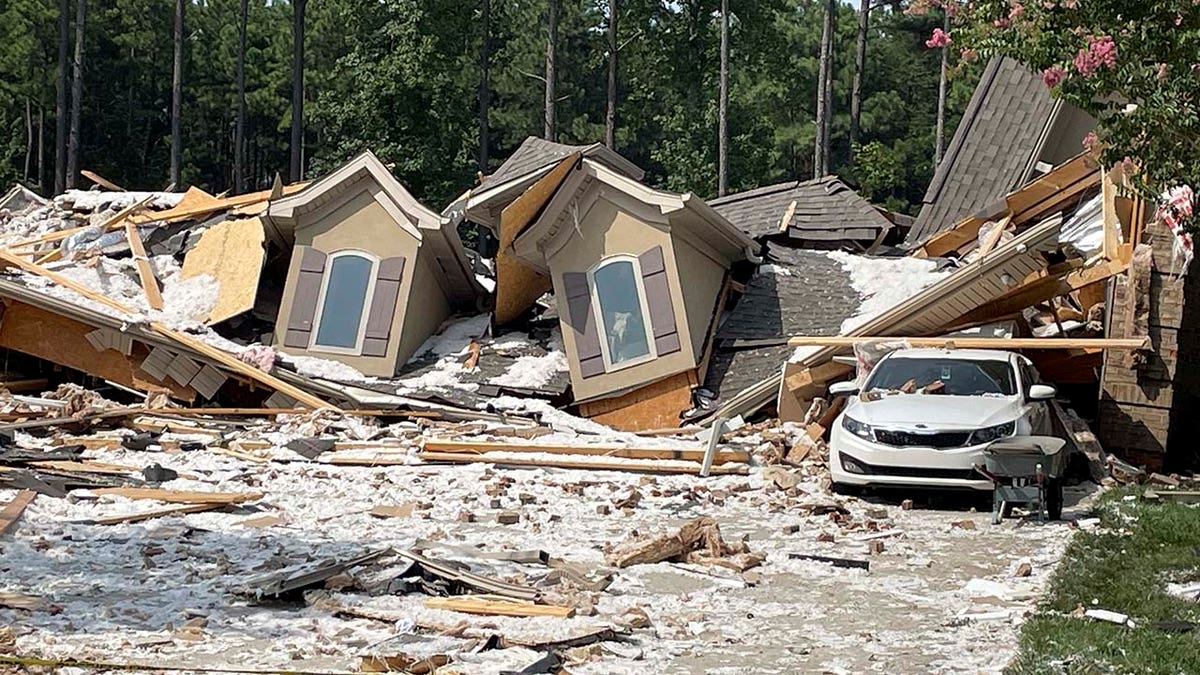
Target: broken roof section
{"points": [[1011, 131], [796, 292], [819, 213], [530, 162]]}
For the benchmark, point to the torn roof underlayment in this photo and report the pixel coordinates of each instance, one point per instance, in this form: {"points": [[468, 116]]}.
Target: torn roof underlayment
{"points": [[820, 212]]}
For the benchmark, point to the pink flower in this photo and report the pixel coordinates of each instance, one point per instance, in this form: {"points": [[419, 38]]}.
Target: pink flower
{"points": [[1017, 11], [969, 55], [1101, 52], [1090, 141], [1162, 71], [1002, 22], [1070, 4], [940, 38], [1053, 75]]}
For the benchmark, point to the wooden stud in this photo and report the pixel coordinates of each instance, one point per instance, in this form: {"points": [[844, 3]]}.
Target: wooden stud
{"points": [[180, 496], [145, 272], [101, 181], [978, 342], [481, 447], [13, 510], [489, 605], [648, 466], [159, 513]]}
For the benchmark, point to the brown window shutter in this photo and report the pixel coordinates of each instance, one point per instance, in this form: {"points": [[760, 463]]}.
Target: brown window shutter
{"points": [[383, 306], [658, 297], [583, 322], [304, 301]]}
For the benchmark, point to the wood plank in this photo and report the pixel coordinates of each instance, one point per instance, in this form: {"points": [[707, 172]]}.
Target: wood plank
{"points": [[497, 606], [158, 513], [978, 342], [13, 510], [145, 272], [652, 406], [598, 465], [994, 236], [101, 181], [180, 496], [687, 454]]}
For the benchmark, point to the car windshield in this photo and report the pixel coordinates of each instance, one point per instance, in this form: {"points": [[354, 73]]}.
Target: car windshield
{"points": [[948, 377]]}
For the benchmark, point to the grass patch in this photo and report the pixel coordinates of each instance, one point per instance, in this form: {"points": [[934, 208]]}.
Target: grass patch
{"points": [[1124, 566]]}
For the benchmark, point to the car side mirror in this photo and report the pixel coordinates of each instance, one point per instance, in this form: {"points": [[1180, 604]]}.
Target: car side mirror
{"points": [[1041, 392], [847, 388]]}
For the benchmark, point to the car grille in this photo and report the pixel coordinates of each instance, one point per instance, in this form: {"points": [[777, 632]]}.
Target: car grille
{"points": [[941, 439], [911, 471]]}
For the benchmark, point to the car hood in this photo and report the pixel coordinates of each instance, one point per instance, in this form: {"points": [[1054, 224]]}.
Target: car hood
{"points": [[935, 412]]}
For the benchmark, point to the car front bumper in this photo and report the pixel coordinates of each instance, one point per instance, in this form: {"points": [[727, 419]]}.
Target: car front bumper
{"points": [[857, 461]]}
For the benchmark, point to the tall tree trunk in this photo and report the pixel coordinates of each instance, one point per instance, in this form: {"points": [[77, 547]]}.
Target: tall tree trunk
{"points": [[76, 95], [239, 129], [176, 177], [940, 142], [831, 19], [610, 108], [550, 131], [296, 171], [28, 140], [485, 86], [41, 143], [860, 64], [60, 101], [723, 107], [824, 69]]}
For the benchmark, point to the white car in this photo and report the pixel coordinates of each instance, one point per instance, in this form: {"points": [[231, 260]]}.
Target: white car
{"points": [[924, 417]]}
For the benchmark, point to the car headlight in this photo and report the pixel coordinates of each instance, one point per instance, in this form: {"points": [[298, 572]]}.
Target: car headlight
{"points": [[990, 434], [857, 428]]}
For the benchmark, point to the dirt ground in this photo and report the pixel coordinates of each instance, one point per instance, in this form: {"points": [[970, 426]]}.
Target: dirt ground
{"points": [[939, 597]]}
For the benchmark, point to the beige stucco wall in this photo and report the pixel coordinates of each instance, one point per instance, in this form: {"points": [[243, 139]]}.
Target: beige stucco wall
{"points": [[702, 277], [354, 219], [427, 309], [607, 230]]}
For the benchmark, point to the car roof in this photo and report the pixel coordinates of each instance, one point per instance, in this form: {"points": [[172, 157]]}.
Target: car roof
{"points": [[956, 354]]}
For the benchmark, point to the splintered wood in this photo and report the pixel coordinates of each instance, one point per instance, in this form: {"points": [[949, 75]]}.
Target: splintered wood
{"points": [[698, 541]]}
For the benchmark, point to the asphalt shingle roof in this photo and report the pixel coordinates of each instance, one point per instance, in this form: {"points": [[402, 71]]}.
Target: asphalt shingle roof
{"points": [[803, 292], [990, 154], [536, 153], [826, 210]]}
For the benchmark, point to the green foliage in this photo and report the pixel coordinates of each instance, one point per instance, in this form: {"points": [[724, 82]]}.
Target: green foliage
{"points": [[1132, 65], [1122, 566], [400, 77]]}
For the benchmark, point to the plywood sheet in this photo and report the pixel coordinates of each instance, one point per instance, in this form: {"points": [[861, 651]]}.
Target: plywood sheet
{"points": [[232, 253], [654, 406], [518, 286], [46, 335]]}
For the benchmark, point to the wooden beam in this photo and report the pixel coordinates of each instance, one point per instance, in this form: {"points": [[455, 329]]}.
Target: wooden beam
{"points": [[480, 447], [159, 513], [648, 466], [101, 181], [180, 496], [978, 342], [483, 604], [145, 272], [994, 236], [13, 510]]}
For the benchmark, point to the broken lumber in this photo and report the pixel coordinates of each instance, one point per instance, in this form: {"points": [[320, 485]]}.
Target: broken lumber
{"points": [[483, 604], [975, 342], [101, 180], [13, 510], [598, 465], [195, 344], [684, 454], [158, 513], [145, 272], [698, 541], [180, 496]]}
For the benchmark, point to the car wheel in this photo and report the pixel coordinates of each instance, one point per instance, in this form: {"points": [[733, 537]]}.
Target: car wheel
{"points": [[1054, 498]]}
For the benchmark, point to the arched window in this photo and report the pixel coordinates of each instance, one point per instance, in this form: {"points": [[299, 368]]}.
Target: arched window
{"points": [[620, 306], [345, 296]]}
